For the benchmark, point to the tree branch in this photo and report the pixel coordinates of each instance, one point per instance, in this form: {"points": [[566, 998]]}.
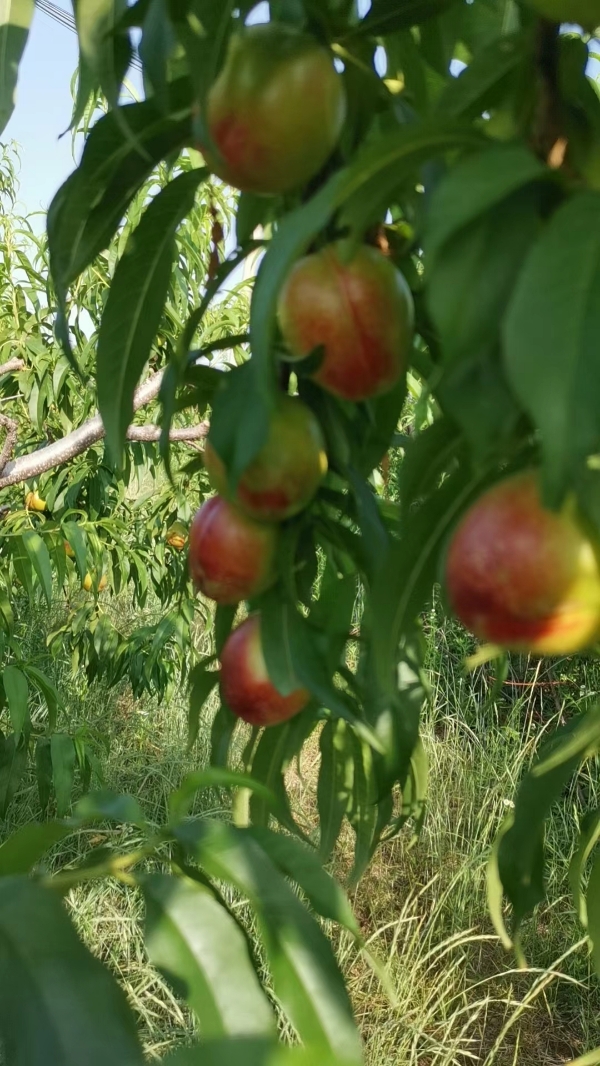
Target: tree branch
{"points": [[61, 451], [11, 366]]}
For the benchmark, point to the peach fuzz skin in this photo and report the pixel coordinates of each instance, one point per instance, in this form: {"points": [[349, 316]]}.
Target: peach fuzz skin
{"points": [[276, 110], [521, 576], [231, 558], [360, 311], [245, 684], [284, 476]]}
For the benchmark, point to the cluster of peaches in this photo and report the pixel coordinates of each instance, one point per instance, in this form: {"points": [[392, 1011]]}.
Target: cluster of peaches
{"points": [[517, 574]]}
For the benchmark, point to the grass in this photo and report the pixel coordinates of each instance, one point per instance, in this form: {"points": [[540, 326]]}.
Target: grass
{"points": [[454, 996]]}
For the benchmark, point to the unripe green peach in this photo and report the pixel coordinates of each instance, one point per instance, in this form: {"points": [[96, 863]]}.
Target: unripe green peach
{"points": [[284, 476]]}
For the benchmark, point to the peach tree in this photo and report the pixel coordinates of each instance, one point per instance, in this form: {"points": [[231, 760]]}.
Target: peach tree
{"points": [[415, 191]]}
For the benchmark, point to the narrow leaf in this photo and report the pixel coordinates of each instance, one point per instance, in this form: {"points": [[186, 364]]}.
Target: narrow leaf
{"points": [[135, 304], [196, 943], [202, 682], [23, 850], [62, 750], [15, 19], [553, 321], [55, 997], [40, 560], [305, 975], [17, 694]]}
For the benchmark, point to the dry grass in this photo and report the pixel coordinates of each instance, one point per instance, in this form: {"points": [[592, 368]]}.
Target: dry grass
{"points": [[453, 997]]}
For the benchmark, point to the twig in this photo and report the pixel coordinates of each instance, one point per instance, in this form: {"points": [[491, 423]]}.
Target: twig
{"points": [[61, 451]]}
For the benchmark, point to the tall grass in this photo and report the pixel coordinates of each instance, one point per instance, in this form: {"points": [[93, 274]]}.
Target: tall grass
{"points": [[453, 997]]}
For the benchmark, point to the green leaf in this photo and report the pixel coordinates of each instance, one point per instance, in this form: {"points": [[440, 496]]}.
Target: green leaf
{"points": [[241, 414], [252, 211], [39, 557], [135, 304], [276, 617], [109, 806], [17, 695], [202, 681], [224, 619], [155, 48], [13, 762], [474, 274], [550, 333], [387, 16], [48, 690], [235, 1052], [62, 750], [224, 725], [303, 866], [405, 580], [475, 394], [428, 455], [7, 618], [55, 997], [180, 801], [521, 850], [15, 20], [362, 814], [274, 752], [24, 848], [43, 770], [76, 537], [306, 979], [88, 208], [588, 838], [592, 1058], [106, 53], [593, 913], [480, 85], [490, 176], [203, 952], [335, 783]]}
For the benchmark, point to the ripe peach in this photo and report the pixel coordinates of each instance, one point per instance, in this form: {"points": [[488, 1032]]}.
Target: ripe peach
{"points": [[521, 576], [360, 312], [231, 557], [245, 683]]}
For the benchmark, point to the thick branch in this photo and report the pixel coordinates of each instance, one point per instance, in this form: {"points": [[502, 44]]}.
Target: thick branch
{"points": [[11, 366], [61, 451], [151, 433]]}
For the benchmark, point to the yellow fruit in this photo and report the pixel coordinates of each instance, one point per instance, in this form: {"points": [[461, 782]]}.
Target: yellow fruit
{"points": [[177, 536], [68, 549], [88, 583], [33, 502]]}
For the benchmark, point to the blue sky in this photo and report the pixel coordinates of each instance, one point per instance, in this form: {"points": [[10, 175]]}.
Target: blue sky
{"points": [[43, 111]]}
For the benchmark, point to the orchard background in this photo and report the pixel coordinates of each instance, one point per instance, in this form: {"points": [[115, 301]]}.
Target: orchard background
{"points": [[264, 799]]}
